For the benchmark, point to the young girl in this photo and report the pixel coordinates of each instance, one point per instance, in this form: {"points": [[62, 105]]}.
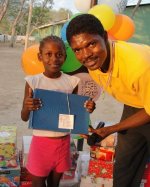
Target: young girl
{"points": [[49, 154]]}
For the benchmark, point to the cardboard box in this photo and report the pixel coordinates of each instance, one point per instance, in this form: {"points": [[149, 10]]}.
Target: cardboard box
{"points": [[8, 141]]}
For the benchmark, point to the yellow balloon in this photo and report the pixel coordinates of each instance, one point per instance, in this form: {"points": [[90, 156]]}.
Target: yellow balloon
{"points": [[30, 62], [105, 14]]}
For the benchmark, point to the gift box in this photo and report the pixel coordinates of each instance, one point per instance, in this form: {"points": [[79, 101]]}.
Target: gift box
{"points": [[8, 163], [91, 181], [147, 171], [109, 141], [10, 177], [102, 153], [88, 181], [146, 176], [26, 184], [7, 142], [99, 168], [104, 182]]}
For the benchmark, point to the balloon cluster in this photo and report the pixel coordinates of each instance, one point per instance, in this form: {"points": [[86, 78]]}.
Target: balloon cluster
{"points": [[117, 25]]}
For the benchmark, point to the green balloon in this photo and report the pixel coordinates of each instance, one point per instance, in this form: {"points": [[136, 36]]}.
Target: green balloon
{"points": [[71, 63]]}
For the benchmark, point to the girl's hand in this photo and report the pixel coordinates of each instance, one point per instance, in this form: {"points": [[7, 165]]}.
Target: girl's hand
{"points": [[31, 103], [85, 136], [90, 105]]}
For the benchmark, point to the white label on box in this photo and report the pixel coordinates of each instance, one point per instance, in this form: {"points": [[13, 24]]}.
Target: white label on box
{"points": [[66, 121]]}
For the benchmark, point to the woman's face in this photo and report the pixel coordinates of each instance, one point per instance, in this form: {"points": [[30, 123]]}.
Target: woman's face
{"points": [[90, 49]]}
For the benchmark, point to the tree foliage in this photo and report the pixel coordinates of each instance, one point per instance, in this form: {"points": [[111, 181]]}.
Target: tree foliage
{"points": [[3, 8]]}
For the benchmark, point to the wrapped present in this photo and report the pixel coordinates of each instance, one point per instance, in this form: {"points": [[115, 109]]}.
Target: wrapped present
{"points": [[147, 171], [26, 184], [88, 181], [109, 141], [91, 181], [104, 182], [10, 177], [146, 176], [8, 163], [7, 141], [102, 153], [99, 168]]}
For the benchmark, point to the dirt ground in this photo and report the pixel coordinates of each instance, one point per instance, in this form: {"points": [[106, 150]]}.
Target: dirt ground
{"points": [[12, 90]]}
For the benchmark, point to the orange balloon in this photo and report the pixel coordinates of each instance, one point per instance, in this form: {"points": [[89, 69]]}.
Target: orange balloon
{"points": [[30, 62], [123, 28]]}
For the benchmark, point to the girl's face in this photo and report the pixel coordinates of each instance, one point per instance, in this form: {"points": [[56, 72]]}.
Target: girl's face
{"points": [[53, 56]]}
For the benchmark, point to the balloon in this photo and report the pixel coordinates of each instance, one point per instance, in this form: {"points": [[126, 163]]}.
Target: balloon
{"points": [[71, 63], [118, 6], [87, 86], [63, 31], [82, 5], [105, 14], [64, 28], [111, 37], [30, 63], [123, 28]]}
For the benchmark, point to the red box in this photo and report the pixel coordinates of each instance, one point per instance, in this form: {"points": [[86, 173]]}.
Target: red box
{"points": [[26, 184], [146, 175], [100, 168], [102, 153]]}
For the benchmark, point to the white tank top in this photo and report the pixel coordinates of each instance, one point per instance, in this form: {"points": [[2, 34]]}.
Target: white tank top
{"points": [[65, 83]]}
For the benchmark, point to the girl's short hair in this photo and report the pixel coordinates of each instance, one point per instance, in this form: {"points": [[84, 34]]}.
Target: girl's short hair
{"points": [[51, 38]]}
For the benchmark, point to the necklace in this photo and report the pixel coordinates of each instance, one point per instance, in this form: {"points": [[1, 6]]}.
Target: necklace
{"points": [[110, 72]]}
